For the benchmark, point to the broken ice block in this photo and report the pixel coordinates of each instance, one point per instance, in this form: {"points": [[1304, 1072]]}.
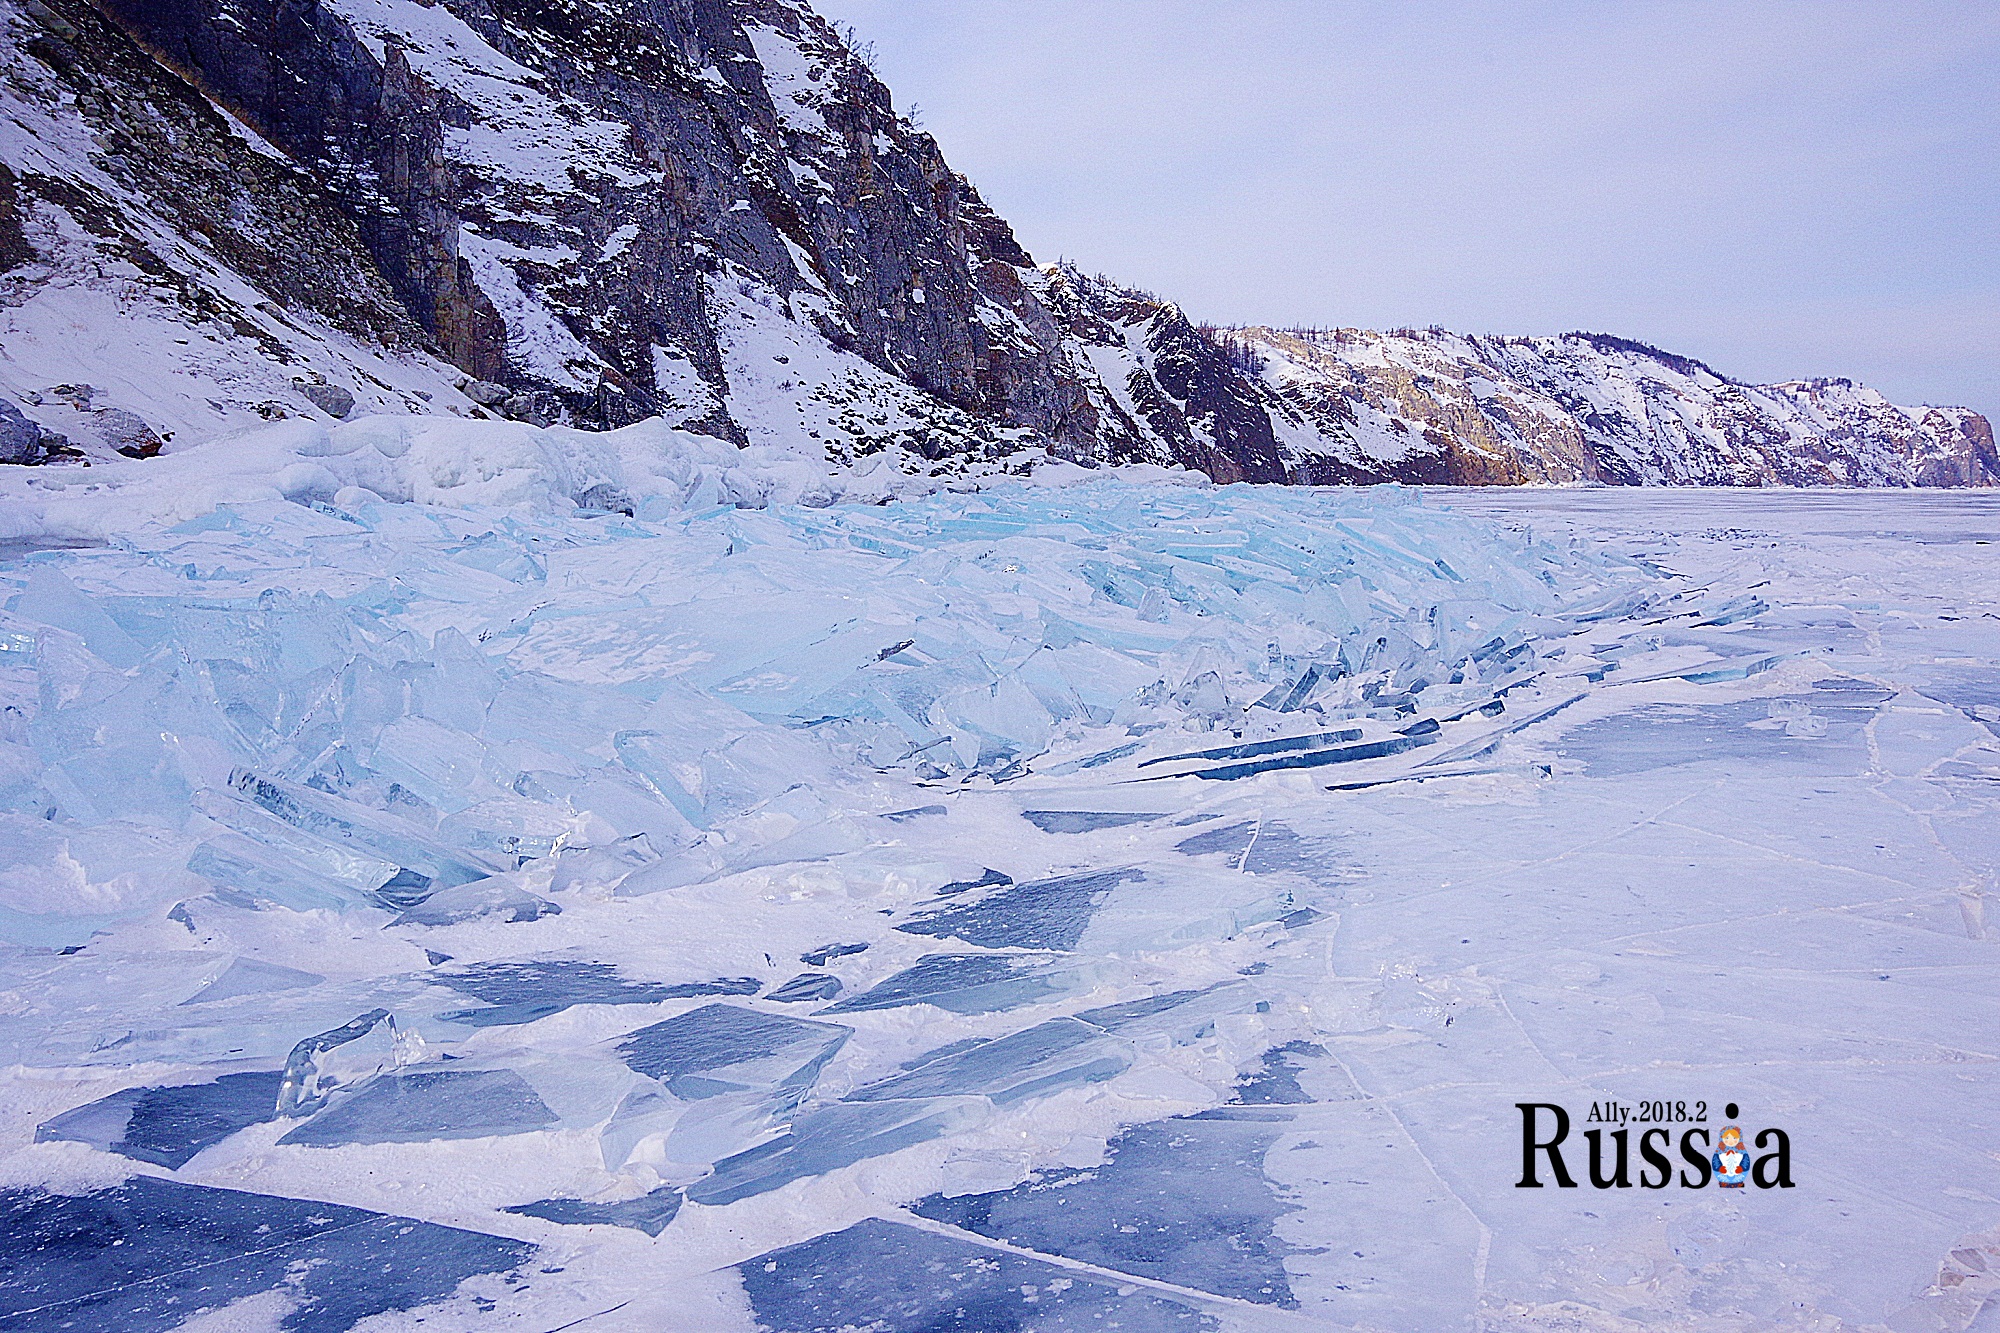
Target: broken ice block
{"points": [[807, 986], [649, 1213], [1254, 749], [247, 976], [1061, 1053], [961, 983], [988, 877], [1083, 821], [525, 992], [342, 822], [723, 1048], [826, 953], [1182, 1201], [308, 1077], [826, 1138], [170, 1249], [1043, 914], [1338, 754], [495, 896], [417, 1106], [168, 1126], [917, 812]]}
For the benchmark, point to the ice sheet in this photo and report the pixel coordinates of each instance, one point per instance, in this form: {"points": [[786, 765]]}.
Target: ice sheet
{"points": [[941, 753]]}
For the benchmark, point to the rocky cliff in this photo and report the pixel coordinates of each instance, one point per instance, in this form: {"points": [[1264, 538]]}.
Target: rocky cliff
{"points": [[215, 212]]}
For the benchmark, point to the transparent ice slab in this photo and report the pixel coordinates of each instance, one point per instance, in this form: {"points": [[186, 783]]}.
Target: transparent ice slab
{"points": [[891, 1278], [807, 986], [145, 1256], [827, 1138], [1667, 735], [419, 1105], [1084, 821], [496, 896], [649, 1213], [1276, 1083], [962, 983], [524, 992], [1042, 914], [826, 953], [1061, 1053], [1263, 847], [247, 976], [1183, 1201], [169, 1125], [724, 1048]]}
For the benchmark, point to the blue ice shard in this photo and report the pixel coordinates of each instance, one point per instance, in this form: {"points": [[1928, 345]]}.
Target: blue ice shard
{"points": [[826, 1138], [892, 1278], [649, 1213], [826, 953], [416, 1106], [168, 1126], [726, 1048], [497, 896], [306, 1082], [525, 992], [1184, 1201], [1044, 1059], [1337, 754], [988, 877], [247, 976], [1042, 914], [807, 986], [918, 812], [146, 1256], [1084, 821], [1277, 1082], [345, 824], [976, 983], [1255, 749]]}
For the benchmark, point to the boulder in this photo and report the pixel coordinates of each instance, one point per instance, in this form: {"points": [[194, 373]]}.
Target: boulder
{"points": [[20, 438], [331, 399]]}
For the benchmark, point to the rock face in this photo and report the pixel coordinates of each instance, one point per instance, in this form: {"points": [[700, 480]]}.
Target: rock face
{"points": [[1442, 407], [710, 211]]}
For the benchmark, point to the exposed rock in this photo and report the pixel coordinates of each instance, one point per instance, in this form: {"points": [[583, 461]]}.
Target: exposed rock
{"points": [[20, 438], [488, 394], [329, 398], [125, 431]]}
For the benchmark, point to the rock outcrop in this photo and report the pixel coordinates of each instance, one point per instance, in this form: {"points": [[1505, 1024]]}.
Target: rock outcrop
{"points": [[218, 212]]}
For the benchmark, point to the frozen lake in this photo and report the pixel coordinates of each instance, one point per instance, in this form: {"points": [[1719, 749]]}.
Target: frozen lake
{"points": [[1106, 907]]}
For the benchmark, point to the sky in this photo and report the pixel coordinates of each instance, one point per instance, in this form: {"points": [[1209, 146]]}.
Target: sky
{"points": [[1780, 189]]}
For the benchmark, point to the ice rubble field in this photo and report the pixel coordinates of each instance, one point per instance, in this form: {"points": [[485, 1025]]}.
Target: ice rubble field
{"points": [[431, 901]]}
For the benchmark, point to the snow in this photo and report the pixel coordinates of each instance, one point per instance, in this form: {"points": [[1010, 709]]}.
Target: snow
{"points": [[794, 80], [86, 316], [518, 132], [1193, 880], [537, 342]]}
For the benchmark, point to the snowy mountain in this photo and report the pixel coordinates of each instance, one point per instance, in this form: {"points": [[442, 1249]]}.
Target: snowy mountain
{"points": [[708, 211]]}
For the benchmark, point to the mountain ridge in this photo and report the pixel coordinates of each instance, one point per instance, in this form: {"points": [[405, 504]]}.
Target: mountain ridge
{"points": [[593, 212]]}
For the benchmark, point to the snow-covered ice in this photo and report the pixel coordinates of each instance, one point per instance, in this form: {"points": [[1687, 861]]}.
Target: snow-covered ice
{"points": [[624, 882]]}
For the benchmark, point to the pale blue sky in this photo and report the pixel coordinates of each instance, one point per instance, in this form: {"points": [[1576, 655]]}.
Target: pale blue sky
{"points": [[1781, 189]]}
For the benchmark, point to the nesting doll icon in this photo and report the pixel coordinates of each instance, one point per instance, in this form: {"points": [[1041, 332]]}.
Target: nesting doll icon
{"points": [[1731, 1159]]}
